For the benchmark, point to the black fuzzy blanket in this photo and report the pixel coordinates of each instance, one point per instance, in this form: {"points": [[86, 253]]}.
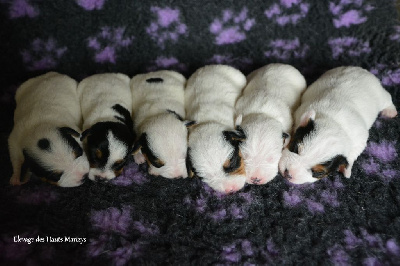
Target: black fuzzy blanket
{"points": [[140, 219]]}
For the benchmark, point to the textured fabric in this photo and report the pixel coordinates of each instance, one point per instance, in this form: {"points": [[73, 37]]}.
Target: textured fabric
{"points": [[143, 219]]}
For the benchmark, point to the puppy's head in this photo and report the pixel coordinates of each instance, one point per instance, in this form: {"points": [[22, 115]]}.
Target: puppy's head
{"points": [[163, 144], [55, 155], [215, 156], [108, 146], [262, 148], [316, 150]]}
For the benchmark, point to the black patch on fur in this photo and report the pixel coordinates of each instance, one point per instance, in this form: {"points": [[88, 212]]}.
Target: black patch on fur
{"points": [[299, 136], [144, 143], [119, 165], [44, 144], [234, 138], [126, 118], [37, 169], [285, 135], [97, 140], [67, 133], [154, 80], [175, 114], [330, 166]]}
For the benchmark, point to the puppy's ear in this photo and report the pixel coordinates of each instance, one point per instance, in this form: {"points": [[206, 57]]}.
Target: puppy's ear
{"points": [[306, 117], [85, 134], [69, 131], [286, 139], [236, 135]]}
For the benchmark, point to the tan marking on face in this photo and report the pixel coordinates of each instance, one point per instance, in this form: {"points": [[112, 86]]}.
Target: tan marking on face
{"points": [[240, 170], [99, 154], [118, 172], [321, 170]]}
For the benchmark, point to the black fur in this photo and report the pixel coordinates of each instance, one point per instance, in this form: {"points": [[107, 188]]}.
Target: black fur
{"points": [[126, 118], [67, 133], [154, 80], [44, 144], [331, 166], [234, 138], [37, 169], [299, 136], [234, 161], [97, 140], [144, 144]]}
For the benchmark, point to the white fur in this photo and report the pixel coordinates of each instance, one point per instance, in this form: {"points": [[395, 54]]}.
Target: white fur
{"points": [[98, 94], [344, 103], [266, 105], [167, 135], [210, 97], [44, 104]]}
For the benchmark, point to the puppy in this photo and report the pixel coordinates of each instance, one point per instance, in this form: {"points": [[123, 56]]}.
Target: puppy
{"points": [[265, 114], [332, 124], [213, 149], [45, 138], [158, 111], [108, 134]]}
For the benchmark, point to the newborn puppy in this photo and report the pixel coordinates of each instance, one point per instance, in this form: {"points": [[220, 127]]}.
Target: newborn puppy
{"points": [[45, 138], [108, 135], [332, 124], [158, 112], [265, 114], [213, 152]]}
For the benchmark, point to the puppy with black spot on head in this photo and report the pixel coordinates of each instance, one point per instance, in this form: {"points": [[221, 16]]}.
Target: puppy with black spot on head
{"points": [[264, 111], [158, 111], [332, 123], [45, 138], [213, 149], [108, 134]]}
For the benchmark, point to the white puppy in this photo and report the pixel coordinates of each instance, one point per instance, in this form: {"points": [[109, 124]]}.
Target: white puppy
{"points": [[332, 124], [108, 135], [265, 108], [45, 137], [158, 111], [213, 152]]}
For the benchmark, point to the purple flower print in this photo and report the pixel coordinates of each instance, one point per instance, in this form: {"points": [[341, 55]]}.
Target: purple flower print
{"points": [[384, 151], [171, 63], [21, 8], [348, 46], [370, 167], [167, 26], [91, 4], [363, 241], [113, 220], [287, 12], [286, 49], [107, 42], [231, 27], [389, 76], [130, 175], [241, 63], [123, 254], [42, 54], [345, 16], [324, 194], [234, 252]]}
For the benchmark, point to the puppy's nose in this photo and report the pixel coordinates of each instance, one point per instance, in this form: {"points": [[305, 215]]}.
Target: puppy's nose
{"points": [[100, 179]]}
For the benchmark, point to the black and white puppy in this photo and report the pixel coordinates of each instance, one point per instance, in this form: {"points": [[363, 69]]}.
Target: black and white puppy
{"points": [[332, 123], [158, 111], [108, 134], [265, 110], [213, 149], [45, 138]]}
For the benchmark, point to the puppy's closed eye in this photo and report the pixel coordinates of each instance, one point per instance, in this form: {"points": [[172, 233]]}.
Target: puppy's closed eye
{"points": [[118, 165]]}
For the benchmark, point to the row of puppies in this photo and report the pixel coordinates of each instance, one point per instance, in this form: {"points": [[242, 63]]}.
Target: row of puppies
{"points": [[224, 157]]}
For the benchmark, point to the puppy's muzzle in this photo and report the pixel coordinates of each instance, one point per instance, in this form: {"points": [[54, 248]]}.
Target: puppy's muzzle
{"points": [[100, 179]]}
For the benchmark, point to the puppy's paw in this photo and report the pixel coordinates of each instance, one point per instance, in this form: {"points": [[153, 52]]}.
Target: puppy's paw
{"points": [[14, 181], [139, 158], [389, 112]]}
